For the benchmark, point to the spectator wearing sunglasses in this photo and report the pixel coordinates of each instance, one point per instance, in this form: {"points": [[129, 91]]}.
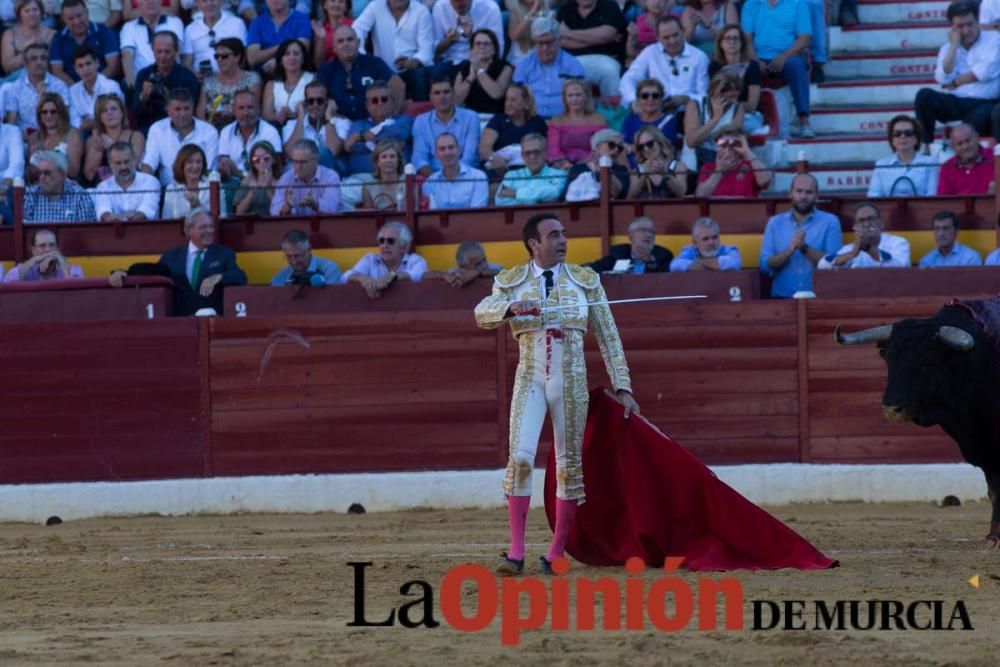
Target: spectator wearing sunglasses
{"points": [[377, 272], [380, 125], [905, 173], [316, 121], [736, 171], [204, 33], [348, 76], [682, 68], [648, 110], [661, 175], [237, 138], [215, 104], [584, 178]]}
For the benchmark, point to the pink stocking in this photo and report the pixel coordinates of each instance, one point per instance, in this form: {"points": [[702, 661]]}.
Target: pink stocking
{"points": [[517, 511], [565, 511]]}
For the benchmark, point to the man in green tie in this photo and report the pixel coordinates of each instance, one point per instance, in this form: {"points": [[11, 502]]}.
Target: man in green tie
{"points": [[201, 267]]}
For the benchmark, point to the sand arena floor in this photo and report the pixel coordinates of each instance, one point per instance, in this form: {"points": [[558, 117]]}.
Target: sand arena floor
{"points": [[276, 590]]}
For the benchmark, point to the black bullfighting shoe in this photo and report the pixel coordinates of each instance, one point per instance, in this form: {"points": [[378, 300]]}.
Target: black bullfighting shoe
{"points": [[544, 565], [508, 566]]}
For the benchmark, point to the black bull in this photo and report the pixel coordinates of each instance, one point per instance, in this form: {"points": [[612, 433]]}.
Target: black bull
{"points": [[945, 370]]}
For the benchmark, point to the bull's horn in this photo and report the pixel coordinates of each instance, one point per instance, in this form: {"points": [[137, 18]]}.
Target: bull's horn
{"points": [[955, 338], [875, 335]]}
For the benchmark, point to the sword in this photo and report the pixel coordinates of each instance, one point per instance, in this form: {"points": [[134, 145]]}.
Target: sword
{"points": [[549, 309]]}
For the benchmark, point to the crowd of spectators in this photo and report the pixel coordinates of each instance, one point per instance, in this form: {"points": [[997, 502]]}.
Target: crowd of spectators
{"points": [[199, 87]]}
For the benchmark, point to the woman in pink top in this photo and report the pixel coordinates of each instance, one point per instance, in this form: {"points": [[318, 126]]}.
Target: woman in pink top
{"points": [[570, 131]]}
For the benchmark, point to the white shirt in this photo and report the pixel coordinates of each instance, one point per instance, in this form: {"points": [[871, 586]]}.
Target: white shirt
{"points": [[163, 142], [371, 265], [981, 60], [198, 42], [412, 37], [83, 102], [484, 14], [989, 11], [652, 63], [142, 195], [176, 204], [231, 142], [11, 152], [892, 178], [309, 131], [894, 252], [135, 36]]}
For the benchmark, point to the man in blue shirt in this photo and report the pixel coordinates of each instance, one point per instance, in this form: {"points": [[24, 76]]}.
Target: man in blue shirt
{"points": [[270, 29], [380, 124], [796, 240], [779, 31], [444, 117], [949, 252], [80, 30], [546, 68], [304, 268], [457, 185], [706, 252], [348, 76]]}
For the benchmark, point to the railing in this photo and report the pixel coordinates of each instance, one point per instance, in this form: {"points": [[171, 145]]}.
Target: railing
{"points": [[603, 218]]}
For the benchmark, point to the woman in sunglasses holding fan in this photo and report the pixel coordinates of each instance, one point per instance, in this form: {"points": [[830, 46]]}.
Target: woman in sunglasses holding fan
{"points": [[648, 110], [215, 102], [661, 175], [907, 172]]}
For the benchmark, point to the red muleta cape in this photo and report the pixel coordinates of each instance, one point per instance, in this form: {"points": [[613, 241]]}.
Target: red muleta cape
{"points": [[649, 497]]}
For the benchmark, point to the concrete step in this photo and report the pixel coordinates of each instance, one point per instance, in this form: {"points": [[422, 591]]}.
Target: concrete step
{"points": [[899, 91], [853, 119], [893, 11], [835, 148], [888, 37], [832, 178], [883, 65]]}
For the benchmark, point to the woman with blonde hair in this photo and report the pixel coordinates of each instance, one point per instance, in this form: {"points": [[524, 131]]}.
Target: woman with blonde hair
{"points": [[387, 192], [257, 188], [570, 132], [110, 126], [500, 142], [26, 31], [55, 134], [190, 187], [661, 175]]}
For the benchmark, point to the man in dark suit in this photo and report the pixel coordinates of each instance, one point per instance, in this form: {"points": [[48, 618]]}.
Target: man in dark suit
{"points": [[643, 253], [201, 267]]}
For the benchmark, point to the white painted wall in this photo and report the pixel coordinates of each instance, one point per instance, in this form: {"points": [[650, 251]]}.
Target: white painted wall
{"points": [[768, 484]]}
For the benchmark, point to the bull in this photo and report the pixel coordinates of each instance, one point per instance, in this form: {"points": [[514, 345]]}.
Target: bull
{"points": [[945, 370]]}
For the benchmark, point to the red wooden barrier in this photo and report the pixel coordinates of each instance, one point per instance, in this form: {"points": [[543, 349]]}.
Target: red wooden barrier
{"points": [[100, 401], [86, 299]]}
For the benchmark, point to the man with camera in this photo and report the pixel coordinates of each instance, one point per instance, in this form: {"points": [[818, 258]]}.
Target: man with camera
{"points": [[454, 22], [154, 83], [736, 172], [45, 263], [872, 248], [304, 268]]}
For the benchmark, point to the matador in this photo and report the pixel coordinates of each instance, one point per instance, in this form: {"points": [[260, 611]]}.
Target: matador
{"points": [[551, 374]]}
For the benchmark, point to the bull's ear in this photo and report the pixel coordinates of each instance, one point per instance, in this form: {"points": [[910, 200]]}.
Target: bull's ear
{"points": [[955, 338]]}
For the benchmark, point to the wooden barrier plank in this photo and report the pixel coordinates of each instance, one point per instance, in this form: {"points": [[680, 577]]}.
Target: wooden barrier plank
{"points": [[883, 449]]}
